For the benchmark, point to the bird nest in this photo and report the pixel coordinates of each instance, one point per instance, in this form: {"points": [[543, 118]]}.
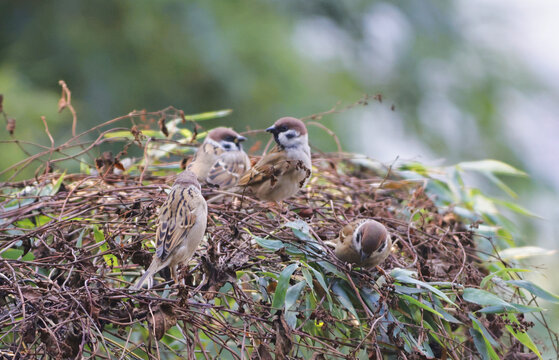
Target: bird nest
{"points": [[262, 285]]}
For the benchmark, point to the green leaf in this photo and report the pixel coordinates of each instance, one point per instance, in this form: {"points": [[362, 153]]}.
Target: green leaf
{"points": [[482, 297], [415, 167], [523, 252], [293, 294], [331, 268], [127, 134], [516, 208], [320, 278], [99, 237], [79, 240], [501, 185], [400, 289], [447, 316], [12, 254], [84, 168], [308, 277], [479, 326], [483, 346], [402, 276], [420, 304], [535, 289], [209, 115], [512, 308], [499, 273], [491, 166], [300, 228], [57, 184], [283, 283], [523, 337], [270, 244], [344, 299]]}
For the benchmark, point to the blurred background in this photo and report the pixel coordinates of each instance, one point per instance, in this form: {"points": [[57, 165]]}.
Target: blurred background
{"points": [[460, 80]]}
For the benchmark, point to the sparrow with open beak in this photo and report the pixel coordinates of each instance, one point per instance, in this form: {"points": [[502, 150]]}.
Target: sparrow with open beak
{"points": [[365, 243], [220, 161], [280, 173], [182, 224]]}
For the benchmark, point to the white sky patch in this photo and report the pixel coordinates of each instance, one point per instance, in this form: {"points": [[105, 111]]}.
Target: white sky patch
{"points": [[382, 136], [527, 29], [320, 40], [386, 36]]}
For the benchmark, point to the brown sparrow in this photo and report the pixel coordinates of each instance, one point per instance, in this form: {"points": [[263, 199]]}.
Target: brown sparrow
{"points": [[220, 161], [182, 224], [280, 173], [365, 243]]}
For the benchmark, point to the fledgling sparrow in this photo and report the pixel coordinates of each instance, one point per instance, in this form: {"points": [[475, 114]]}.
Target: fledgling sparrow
{"points": [[365, 243], [280, 173], [220, 161], [182, 224]]}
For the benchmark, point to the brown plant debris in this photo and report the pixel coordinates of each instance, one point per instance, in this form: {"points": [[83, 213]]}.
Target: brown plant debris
{"points": [[73, 244]]}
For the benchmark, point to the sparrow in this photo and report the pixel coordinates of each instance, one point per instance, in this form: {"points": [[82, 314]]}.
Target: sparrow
{"points": [[365, 243], [220, 161], [280, 173], [182, 224]]}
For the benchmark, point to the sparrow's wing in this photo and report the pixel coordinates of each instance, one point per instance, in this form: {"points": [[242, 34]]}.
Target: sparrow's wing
{"points": [[269, 167], [203, 159], [175, 219], [228, 168], [207, 149]]}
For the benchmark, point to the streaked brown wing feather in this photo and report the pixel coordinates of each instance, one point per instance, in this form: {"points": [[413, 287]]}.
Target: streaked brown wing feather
{"points": [[228, 169], [272, 164], [175, 220], [209, 149]]}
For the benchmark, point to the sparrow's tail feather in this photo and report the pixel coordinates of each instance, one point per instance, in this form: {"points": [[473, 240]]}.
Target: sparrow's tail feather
{"points": [[148, 275]]}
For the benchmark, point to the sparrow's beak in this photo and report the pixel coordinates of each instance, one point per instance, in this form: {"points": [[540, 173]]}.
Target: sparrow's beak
{"points": [[239, 139], [271, 129], [364, 255]]}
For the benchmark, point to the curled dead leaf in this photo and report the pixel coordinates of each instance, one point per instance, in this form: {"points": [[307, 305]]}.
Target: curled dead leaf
{"points": [[162, 320], [283, 338], [262, 353], [162, 126], [11, 125]]}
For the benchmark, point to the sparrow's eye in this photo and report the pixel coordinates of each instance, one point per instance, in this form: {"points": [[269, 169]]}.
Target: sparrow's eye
{"points": [[282, 128], [230, 138], [358, 238]]}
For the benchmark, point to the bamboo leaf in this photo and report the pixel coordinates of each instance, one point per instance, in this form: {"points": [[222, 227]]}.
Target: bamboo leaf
{"points": [[99, 237], [523, 252], [293, 294], [57, 184], [269, 243], [283, 283], [402, 276], [344, 299], [491, 166], [420, 304], [479, 326], [482, 297], [208, 115], [535, 289], [523, 337]]}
